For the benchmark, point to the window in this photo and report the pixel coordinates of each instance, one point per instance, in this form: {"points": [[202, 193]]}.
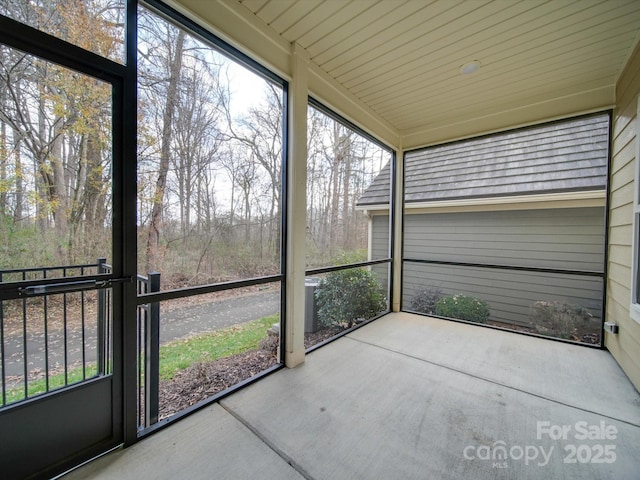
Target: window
{"points": [[210, 220], [348, 211], [209, 161]]}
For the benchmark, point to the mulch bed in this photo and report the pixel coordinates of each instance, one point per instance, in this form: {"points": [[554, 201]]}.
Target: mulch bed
{"points": [[588, 338], [202, 380], [311, 339]]}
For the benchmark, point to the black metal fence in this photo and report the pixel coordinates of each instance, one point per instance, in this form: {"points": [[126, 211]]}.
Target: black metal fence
{"points": [[148, 341], [49, 341], [148, 320]]}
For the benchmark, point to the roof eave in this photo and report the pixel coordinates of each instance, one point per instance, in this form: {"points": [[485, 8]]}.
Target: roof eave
{"points": [[590, 198]]}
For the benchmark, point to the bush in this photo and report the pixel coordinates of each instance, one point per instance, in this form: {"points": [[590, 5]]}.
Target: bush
{"points": [[463, 307], [558, 319], [349, 296], [424, 301], [353, 256]]}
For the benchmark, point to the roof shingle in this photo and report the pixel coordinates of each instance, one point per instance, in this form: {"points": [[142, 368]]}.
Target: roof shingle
{"points": [[556, 157]]}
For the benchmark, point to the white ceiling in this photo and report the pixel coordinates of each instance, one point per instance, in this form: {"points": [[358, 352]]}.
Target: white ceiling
{"points": [[402, 58]]}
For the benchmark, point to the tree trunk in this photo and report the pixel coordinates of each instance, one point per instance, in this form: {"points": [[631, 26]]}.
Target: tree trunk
{"points": [[58, 195], [4, 159], [17, 211], [153, 238], [335, 197], [94, 194], [345, 149]]}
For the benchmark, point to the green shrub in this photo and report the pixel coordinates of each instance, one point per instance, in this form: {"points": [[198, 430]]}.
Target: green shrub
{"points": [[558, 319], [352, 256], [424, 301], [463, 307], [348, 296]]}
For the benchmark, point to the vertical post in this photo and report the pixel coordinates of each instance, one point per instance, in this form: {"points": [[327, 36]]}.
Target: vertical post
{"points": [[124, 249], [152, 348], [2, 350], [296, 207], [398, 206], [102, 311]]}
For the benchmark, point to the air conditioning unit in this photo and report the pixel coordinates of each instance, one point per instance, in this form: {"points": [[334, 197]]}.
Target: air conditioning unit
{"points": [[310, 307]]}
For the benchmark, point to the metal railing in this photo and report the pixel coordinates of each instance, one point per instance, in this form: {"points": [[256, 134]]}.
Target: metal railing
{"points": [[148, 345], [18, 350], [149, 352], [35, 330]]}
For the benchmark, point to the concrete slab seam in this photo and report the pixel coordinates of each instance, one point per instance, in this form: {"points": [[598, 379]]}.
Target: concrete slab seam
{"points": [[494, 382], [290, 461]]}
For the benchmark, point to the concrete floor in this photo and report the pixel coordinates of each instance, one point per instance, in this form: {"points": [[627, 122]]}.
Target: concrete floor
{"points": [[409, 397]]}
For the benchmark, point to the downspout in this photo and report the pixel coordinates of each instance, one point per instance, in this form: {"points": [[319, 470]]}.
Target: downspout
{"points": [[369, 234]]}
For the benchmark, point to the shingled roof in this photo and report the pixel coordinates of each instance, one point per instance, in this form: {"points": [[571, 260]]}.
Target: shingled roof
{"points": [[556, 157]]}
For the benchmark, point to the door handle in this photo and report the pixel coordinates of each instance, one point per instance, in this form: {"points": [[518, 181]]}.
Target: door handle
{"points": [[65, 287]]}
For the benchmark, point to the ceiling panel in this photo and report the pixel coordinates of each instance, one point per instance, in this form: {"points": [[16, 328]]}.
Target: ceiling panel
{"points": [[294, 14], [322, 33], [302, 26], [421, 40], [362, 26], [556, 68], [272, 10], [254, 5], [467, 46], [475, 106], [402, 58]]}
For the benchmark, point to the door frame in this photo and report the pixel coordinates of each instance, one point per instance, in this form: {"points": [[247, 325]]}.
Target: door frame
{"points": [[122, 426]]}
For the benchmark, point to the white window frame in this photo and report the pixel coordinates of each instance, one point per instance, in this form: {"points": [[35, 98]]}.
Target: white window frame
{"points": [[634, 309]]}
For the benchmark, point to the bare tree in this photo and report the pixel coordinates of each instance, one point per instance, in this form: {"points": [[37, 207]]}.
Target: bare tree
{"points": [[197, 138], [341, 165], [56, 128], [260, 130], [160, 70]]}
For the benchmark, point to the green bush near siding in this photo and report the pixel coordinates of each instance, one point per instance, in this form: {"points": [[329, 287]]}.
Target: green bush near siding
{"points": [[463, 307]]}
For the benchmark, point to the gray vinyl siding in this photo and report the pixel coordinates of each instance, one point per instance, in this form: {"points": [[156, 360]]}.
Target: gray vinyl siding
{"points": [[568, 239], [571, 238], [380, 248], [380, 240], [509, 294]]}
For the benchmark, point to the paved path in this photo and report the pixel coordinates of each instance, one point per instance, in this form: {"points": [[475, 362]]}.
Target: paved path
{"points": [[174, 324], [215, 315]]}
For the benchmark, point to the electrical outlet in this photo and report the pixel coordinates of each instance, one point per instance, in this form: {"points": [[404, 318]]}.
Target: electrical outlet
{"points": [[611, 327]]}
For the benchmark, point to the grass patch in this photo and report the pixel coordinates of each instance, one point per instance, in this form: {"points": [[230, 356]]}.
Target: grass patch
{"points": [[208, 347], [174, 356], [37, 387]]}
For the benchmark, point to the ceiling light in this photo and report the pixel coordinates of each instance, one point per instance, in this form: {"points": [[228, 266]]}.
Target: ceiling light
{"points": [[470, 68]]}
